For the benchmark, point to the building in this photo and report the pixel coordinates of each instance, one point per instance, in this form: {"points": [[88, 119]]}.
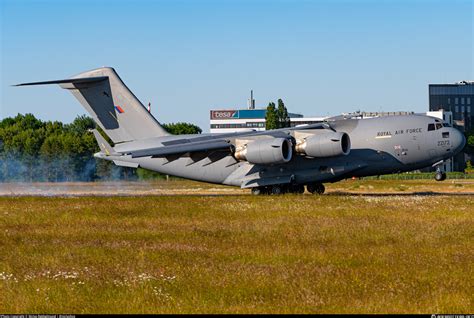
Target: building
{"points": [[458, 99], [238, 120], [250, 119]]}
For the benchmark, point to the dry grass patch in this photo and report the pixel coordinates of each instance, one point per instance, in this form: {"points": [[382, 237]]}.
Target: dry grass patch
{"points": [[239, 254]]}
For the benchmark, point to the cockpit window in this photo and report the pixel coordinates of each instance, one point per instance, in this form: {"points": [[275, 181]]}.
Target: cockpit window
{"points": [[437, 126]]}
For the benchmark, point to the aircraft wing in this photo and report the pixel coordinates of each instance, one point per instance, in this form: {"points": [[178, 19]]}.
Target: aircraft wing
{"points": [[182, 148], [225, 142]]}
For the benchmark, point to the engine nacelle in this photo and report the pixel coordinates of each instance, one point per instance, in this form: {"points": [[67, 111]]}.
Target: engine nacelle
{"points": [[266, 151], [326, 144]]}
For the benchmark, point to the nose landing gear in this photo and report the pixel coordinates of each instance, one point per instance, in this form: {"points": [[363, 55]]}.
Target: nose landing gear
{"points": [[440, 175]]}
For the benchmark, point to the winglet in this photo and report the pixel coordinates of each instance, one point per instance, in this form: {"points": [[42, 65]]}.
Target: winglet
{"points": [[104, 146]]}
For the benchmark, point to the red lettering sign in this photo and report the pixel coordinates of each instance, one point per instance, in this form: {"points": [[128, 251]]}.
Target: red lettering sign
{"points": [[222, 114]]}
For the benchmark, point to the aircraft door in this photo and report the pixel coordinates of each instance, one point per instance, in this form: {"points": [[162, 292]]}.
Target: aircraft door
{"points": [[414, 151]]}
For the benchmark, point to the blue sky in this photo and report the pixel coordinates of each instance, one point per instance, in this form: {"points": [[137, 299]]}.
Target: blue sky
{"points": [[187, 57]]}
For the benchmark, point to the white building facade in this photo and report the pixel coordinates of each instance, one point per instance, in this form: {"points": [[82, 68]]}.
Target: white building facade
{"points": [[240, 120]]}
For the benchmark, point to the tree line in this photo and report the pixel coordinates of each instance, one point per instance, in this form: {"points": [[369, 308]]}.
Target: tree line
{"points": [[36, 150]]}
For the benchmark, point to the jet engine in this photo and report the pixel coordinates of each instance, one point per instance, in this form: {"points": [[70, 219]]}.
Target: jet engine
{"points": [[326, 144], [265, 151]]}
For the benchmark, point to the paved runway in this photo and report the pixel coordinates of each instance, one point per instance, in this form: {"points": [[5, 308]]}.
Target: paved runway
{"points": [[76, 189], [113, 189]]}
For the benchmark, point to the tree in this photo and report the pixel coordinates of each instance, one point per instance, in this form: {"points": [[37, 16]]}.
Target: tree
{"points": [[470, 141], [271, 117], [282, 113], [35, 150], [469, 148], [470, 138], [80, 125], [469, 167], [182, 128]]}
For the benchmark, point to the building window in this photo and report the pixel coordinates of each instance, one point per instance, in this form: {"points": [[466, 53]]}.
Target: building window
{"points": [[456, 108], [468, 101], [456, 100], [468, 109], [449, 101], [462, 109], [462, 100]]}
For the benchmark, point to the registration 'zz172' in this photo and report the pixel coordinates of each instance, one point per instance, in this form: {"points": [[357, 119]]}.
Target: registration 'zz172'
{"points": [[442, 143]]}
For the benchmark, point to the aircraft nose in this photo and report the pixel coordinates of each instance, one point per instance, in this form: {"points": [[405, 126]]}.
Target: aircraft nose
{"points": [[458, 140]]}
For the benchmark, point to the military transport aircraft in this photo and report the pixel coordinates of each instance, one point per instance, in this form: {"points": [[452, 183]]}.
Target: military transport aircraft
{"points": [[267, 162]]}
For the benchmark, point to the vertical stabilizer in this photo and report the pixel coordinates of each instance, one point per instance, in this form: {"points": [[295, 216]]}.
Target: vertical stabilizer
{"points": [[111, 104], [114, 107]]}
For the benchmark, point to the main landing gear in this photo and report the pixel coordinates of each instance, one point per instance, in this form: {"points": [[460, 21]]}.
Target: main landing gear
{"points": [[315, 188]]}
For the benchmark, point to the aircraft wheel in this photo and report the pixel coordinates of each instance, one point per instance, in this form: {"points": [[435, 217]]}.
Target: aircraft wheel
{"points": [[320, 188], [444, 176], [315, 188], [300, 189], [297, 188], [257, 191], [276, 189], [440, 176]]}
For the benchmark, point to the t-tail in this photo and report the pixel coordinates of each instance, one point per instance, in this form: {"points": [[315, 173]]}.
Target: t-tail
{"points": [[111, 104]]}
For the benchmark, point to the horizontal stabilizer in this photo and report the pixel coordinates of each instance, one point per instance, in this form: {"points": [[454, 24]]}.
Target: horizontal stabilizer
{"points": [[103, 144], [181, 148], [126, 164], [66, 81]]}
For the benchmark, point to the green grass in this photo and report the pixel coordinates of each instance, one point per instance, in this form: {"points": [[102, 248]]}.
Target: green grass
{"points": [[420, 176], [401, 186], [237, 254]]}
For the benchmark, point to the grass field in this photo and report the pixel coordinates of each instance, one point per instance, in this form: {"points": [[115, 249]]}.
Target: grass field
{"points": [[335, 253]]}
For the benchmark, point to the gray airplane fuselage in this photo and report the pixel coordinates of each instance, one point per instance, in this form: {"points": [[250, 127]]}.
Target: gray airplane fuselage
{"points": [[381, 145]]}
